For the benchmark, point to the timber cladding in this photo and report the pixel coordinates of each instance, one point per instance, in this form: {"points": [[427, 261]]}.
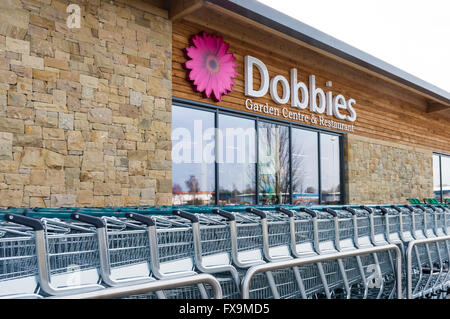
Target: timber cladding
{"points": [[384, 110]]}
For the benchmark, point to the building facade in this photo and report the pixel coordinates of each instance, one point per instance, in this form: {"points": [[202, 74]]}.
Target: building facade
{"points": [[205, 102], [85, 112]]}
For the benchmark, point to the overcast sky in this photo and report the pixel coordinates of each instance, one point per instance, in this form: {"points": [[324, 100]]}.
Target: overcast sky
{"points": [[412, 35]]}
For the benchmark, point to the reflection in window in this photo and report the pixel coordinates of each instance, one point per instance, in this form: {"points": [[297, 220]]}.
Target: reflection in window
{"points": [[236, 160], [236, 145], [441, 177], [273, 142], [193, 157], [445, 167], [330, 169], [305, 167], [436, 177]]}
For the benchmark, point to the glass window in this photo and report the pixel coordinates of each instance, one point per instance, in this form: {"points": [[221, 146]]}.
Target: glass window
{"points": [[305, 167], [441, 177], [445, 168], [237, 160], [436, 177], [273, 143], [330, 169], [254, 164], [193, 156]]}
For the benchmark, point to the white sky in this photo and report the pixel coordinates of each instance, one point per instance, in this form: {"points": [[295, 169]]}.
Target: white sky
{"points": [[412, 35]]}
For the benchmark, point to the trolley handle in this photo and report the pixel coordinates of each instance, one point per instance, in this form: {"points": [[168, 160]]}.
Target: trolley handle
{"points": [[183, 214], [229, 216], [330, 211], [309, 211], [421, 208], [350, 210], [384, 211], [257, 212], [95, 221], [398, 209], [285, 211], [146, 220], [26, 221], [410, 208], [432, 207], [366, 208]]}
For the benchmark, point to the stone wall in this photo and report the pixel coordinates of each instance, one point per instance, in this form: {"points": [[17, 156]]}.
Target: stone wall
{"points": [[84, 113], [380, 172]]}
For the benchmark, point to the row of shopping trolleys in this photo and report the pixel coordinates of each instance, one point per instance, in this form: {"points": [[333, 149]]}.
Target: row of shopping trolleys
{"points": [[258, 252]]}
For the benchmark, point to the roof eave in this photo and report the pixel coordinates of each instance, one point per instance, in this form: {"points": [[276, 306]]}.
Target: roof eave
{"points": [[283, 23]]}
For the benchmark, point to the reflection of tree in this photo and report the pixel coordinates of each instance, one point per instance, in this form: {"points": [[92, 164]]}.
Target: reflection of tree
{"points": [[310, 190], [332, 195], [239, 175], [298, 170], [235, 195], [274, 173], [330, 168], [304, 166], [335, 189], [194, 188], [176, 189], [192, 184]]}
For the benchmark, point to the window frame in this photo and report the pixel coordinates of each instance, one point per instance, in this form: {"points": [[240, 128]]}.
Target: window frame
{"points": [[181, 102], [341, 169], [215, 161], [441, 193], [289, 127], [256, 153]]}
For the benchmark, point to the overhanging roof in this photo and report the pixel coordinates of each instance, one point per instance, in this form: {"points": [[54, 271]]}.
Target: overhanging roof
{"points": [[281, 22]]}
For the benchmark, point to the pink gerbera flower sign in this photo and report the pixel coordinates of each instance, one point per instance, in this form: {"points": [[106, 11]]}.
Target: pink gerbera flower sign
{"points": [[212, 68]]}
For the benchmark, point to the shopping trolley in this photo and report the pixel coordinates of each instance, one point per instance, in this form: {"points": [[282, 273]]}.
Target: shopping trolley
{"points": [[365, 276], [247, 245], [308, 238], [303, 243], [420, 252], [275, 228], [433, 263], [67, 255], [72, 251], [171, 252], [392, 225], [345, 234], [351, 232], [441, 215], [370, 231], [18, 261], [327, 234], [437, 253], [212, 249], [77, 255], [443, 252], [423, 273], [124, 251], [388, 226]]}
